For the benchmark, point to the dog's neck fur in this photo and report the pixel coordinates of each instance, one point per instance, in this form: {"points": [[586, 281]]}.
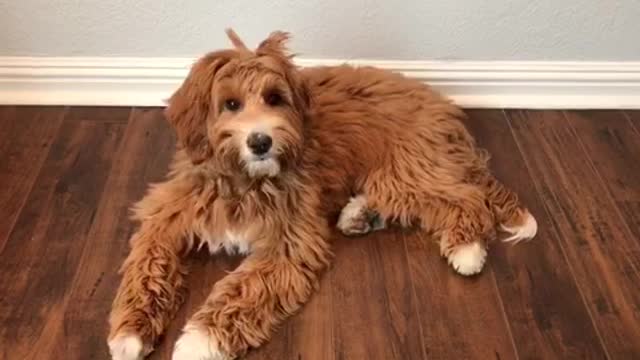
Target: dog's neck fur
{"points": [[236, 188]]}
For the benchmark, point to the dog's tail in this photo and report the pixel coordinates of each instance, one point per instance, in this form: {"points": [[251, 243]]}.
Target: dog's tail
{"points": [[511, 216]]}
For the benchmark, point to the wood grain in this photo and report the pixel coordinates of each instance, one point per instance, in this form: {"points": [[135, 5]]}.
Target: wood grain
{"points": [[456, 312], [544, 307], [26, 133], [364, 308], [622, 173], [634, 119], [374, 309], [571, 293], [100, 113], [41, 257], [603, 253], [612, 144], [145, 149]]}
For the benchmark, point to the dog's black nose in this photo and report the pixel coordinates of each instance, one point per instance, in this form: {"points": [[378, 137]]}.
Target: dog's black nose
{"points": [[259, 143]]}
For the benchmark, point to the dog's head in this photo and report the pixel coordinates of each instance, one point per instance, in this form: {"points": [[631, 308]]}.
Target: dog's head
{"points": [[243, 110]]}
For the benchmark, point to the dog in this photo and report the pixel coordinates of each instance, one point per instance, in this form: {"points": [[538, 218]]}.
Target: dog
{"points": [[267, 155]]}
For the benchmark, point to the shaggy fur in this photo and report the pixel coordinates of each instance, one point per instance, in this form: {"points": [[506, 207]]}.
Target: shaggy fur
{"points": [[338, 132]]}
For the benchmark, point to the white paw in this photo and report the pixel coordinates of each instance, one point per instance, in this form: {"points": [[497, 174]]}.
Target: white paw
{"points": [[468, 259], [195, 344], [126, 347], [357, 219], [523, 232], [351, 216]]}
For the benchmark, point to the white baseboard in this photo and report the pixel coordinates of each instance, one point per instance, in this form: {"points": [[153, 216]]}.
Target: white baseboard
{"points": [[482, 84]]}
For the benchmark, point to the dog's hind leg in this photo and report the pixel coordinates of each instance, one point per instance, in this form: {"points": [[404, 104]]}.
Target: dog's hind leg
{"points": [[457, 215], [357, 218], [464, 239]]}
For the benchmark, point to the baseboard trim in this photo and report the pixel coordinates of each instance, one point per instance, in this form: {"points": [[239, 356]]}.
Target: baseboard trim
{"points": [[480, 84]]}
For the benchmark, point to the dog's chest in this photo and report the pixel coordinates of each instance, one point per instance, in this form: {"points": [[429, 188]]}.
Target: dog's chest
{"points": [[233, 242]]}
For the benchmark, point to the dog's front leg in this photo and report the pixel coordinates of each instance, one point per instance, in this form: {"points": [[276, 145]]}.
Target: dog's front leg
{"points": [[149, 294], [247, 304], [153, 274]]}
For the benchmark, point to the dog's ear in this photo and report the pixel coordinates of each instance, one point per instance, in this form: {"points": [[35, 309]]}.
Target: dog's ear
{"points": [[274, 45], [236, 41], [188, 108]]}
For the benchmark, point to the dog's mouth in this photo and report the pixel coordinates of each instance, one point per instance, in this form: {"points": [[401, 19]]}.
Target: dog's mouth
{"points": [[265, 165], [262, 157]]}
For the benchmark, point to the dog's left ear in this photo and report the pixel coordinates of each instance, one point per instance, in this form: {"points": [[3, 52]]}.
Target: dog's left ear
{"points": [[274, 45]]}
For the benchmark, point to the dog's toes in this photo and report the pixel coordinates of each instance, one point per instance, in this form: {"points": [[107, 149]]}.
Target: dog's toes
{"points": [[352, 220], [468, 259], [525, 231], [357, 219], [376, 221], [127, 347], [355, 228], [196, 344]]}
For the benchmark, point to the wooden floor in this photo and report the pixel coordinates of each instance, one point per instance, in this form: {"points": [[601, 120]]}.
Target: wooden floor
{"points": [[68, 176]]}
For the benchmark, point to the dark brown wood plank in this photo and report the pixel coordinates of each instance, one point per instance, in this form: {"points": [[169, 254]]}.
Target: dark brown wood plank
{"points": [[100, 113], [58, 272], [630, 206], [613, 146], [41, 256], [26, 133], [602, 252], [363, 309], [461, 317], [145, 147], [634, 119], [544, 307], [375, 315]]}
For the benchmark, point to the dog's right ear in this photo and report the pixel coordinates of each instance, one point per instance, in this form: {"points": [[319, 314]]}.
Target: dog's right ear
{"points": [[189, 107]]}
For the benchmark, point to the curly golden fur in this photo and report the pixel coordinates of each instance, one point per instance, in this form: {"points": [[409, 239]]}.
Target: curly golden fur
{"points": [[393, 146]]}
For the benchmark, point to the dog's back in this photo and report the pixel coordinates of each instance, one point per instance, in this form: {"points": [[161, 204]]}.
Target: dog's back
{"points": [[363, 119], [369, 123]]}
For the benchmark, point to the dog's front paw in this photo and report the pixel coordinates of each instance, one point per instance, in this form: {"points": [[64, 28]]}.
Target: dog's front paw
{"points": [[127, 347], [197, 344], [357, 219]]}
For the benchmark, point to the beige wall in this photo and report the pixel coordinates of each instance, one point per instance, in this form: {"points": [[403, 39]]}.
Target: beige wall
{"points": [[374, 29]]}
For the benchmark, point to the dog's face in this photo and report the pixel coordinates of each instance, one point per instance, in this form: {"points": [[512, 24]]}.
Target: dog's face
{"points": [[243, 110], [257, 122]]}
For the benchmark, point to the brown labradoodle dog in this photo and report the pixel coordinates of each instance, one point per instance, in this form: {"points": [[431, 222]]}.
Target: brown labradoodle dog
{"points": [[268, 152]]}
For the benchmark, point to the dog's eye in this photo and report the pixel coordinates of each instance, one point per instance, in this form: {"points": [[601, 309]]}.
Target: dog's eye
{"points": [[225, 135], [273, 99], [232, 104]]}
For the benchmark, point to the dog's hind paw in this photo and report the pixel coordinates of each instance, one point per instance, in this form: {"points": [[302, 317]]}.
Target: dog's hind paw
{"points": [[468, 259], [126, 347], [524, 231], [196, 344]]}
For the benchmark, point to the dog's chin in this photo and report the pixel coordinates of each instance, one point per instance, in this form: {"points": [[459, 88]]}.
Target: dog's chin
{"points": [[259, 167]]}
